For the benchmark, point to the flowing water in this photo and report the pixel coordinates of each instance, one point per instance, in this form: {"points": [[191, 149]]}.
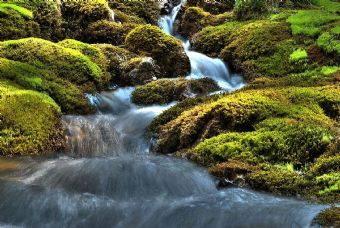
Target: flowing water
{"points": [[108, 178]]}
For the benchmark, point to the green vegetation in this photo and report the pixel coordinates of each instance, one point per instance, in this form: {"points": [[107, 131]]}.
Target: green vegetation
{"points": [[298, 55], [4, 8], [329, 217], [164, 91], [148, 40], [30, 122]]}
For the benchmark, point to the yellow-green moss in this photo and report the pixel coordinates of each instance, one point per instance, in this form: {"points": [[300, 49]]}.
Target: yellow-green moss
{"points": [[164, 91], [329, 217], [167, 51], [67, 63], [30, 122], [108, 32], [5, 7]]}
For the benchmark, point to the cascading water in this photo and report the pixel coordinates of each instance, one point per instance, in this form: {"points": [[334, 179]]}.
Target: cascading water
{"points": [[108, 178], [202, 65]]}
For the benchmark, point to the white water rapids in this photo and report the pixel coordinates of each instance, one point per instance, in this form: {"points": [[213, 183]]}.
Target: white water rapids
{"points": [[108, 177]]}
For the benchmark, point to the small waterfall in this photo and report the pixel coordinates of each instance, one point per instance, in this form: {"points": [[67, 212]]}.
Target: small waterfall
{"points": [[202, 65]]}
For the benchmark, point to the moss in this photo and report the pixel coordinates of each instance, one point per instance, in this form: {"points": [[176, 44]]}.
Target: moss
{"points": [[212, 39], [148, 40], [329, 5], [164, 91], [214, 7], [108, 32], [4, 7], [282, 141], [298, 55], [278, 181], [243, 110], [90, 51], [329, 217], [77, 15], [249, 9], [330, 181], [147, 10], [66, 63], [30, 122], [66, 94], [328, 42], [308, 22], [115, 56], [14, 25]]}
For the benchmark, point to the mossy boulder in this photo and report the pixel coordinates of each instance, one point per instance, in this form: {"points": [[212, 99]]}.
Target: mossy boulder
{"points": [[115, 57], [329, 217], [108, 32], [241, 112], [30, 122], [17, 22], [66, 63], [69, 97], [214, 6], [166, 50], [149, 11], [139, 71], [77, 15], [165, 91]]}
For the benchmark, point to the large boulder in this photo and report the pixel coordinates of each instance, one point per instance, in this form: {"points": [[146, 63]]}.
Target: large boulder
{"points": [[166, 50]]}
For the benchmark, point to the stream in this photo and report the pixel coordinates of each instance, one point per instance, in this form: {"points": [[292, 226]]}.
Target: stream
{"points": [[109, 178]]}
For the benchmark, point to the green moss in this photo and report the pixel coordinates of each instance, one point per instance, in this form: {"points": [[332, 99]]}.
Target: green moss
{"points": [[212, 39], [164, 91], [328, 70], [147, 10], [148, 40], [66, 94], [308, 22], [249, 9], [329, 43], [298, 55], [329, 5], [66, 63], [243, 110], [329, 217], [108, 32], [331, 182], [283, 141], [30, 122], [21, 10]]}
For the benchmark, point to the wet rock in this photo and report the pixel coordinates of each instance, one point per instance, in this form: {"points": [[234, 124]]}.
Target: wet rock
{"points": [[139, 71]]}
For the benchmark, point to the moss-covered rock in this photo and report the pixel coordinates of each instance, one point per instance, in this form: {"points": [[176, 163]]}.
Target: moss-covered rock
{"points": [[243, 110], [17, 22], [66, 63], [164, 91], [30, 122], [77, 15], [108, 32], [147, 10], [69, 97], [214, 7], [166, 50], [329, 217], [139, 71]]}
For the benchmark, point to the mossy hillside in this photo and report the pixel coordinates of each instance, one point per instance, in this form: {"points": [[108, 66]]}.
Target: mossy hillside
{"points": [[66, 63], [241, 111], [167, 51], [147, 10], [110, 32], [165, 91], [30, 122], [70, 98]]}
